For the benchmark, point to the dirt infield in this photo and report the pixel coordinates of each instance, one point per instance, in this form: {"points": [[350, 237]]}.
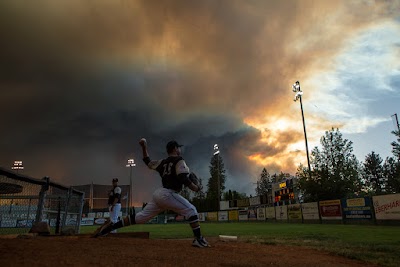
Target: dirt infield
{"points": [[117, 251]]}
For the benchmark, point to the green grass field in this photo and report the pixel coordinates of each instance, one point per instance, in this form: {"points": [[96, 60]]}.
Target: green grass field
{"points": [[375, 244]]}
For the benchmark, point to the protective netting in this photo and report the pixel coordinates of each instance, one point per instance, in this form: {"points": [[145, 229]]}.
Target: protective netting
{"points": [[25, 201]]}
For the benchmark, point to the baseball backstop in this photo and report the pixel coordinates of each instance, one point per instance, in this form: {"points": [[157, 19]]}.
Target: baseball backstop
{"points": [[25, 200]]}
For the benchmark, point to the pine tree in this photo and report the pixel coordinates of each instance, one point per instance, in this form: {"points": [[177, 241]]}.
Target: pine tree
{"points": [[373, 174], [335, 170], [217, 171], [264, 183]]}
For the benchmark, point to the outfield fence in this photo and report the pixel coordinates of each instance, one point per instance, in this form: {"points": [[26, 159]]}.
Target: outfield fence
{"points": [[382, 210], [25, 201]]}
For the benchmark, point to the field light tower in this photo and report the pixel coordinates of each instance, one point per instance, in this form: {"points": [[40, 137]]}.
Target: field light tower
{"points": [[130, 165], [17, 165], [216, 153], [299, 93]]}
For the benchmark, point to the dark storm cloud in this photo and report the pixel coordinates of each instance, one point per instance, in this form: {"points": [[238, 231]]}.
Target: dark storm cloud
{"points": [[82, 81]]}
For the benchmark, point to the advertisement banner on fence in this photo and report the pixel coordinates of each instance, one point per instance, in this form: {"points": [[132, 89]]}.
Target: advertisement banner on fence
{"points": [[310, 211], [98, 221], [25, 223], [261, 214], [224, 205], [281, 213], [270, 212], [233, 215], [254, 201], [357, 208], [91, 215], [387, 207], [202, 216], [243, 202], [252, 213], [330, 209], [8, 223], [294, 212], [212, 216], [222, 216], [87, 221], [243, 216]]}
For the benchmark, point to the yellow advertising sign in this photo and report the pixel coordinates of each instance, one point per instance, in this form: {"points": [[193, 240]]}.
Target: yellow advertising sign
{"points": [[212, 216], [233, 215], [294, 212], [355, 202], [282, 185]]}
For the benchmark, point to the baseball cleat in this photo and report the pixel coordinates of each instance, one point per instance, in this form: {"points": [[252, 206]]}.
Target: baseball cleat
{"points": [[200, 243], [103, 229]]}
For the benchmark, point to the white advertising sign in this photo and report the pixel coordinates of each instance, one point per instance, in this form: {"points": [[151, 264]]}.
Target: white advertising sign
{"points": [[387, 207]]}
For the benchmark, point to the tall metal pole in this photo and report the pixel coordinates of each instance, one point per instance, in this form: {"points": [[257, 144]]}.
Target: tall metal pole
{"points": [[305, 137], [397, 121], [219, 193], [216, 153], [131, 164], [299, 93], [130, 190]]}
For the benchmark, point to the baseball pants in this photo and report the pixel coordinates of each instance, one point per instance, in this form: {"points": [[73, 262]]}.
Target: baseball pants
{"points": [[114, 214]]}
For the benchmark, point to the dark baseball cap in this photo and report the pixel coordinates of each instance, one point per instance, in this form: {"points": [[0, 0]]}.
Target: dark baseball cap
{"points": [[171, 145], [115, 180]]}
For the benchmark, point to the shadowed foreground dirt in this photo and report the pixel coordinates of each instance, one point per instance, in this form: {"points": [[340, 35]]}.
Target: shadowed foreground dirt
{"points": [[117, 251]]}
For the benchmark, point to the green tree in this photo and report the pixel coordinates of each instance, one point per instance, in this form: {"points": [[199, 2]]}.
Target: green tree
{"points": [[396, 145], [264, 183], [217, 171], [334, 172], [232, 195], [372, 173], [186, 193], [391, 170]]}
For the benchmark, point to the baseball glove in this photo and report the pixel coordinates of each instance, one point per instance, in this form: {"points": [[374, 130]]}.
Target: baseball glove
{"points": [[194, 179]]}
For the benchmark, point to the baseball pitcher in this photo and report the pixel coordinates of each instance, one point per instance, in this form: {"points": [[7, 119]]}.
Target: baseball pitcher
{"points": [[174, 174]]}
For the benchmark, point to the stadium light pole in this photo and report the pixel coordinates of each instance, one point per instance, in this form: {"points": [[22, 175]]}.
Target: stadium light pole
{"points": [[216, 153], [131, 164], [17, 165], [299, 93]]}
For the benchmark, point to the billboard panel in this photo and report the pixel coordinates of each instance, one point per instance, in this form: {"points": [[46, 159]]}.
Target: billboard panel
{"points": [[310, 211], [252, 213], [330, 209], [222, 215], [270, 212], [281, 213], [212, 216], [243, 216], [224, 205], [357, 208], [294, 212], [387, 207], [233, 215], [261, 214], [202, 216]]}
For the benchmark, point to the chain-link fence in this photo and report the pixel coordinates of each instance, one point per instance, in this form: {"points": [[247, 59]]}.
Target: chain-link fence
{"points": [[25, 201]]}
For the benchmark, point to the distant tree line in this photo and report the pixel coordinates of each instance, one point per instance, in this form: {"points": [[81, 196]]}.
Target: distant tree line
{"points": [[335, 173]]}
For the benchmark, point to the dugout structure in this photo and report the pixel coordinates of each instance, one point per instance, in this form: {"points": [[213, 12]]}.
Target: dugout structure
{"points": [[25, 200]]}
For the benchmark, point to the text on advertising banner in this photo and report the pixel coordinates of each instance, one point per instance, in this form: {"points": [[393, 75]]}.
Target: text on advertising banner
{"points": [[281, 213], [310, 211], [330, 209], [357, 208], [387, 207], [261, 214], [233, 215], [294, 212]]}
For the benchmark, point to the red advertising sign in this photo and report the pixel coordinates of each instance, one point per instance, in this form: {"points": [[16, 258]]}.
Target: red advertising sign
{"points": [[330, 210]]}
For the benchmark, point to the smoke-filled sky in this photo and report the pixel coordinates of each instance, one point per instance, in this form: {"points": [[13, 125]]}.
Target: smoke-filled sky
{"points": [[82, 81]]}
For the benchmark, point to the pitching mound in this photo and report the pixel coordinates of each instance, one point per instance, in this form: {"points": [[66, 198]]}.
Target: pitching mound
{"points": [[117, 251]]}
